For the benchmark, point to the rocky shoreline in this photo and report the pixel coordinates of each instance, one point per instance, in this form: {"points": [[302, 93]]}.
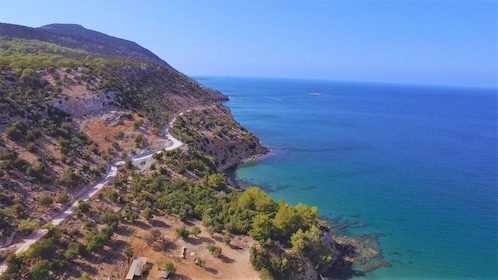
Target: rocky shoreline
{"points": [[352, 255], [235, 148]]}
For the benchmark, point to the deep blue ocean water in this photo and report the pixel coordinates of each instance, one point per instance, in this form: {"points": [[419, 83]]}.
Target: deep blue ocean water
{"points": [[415, 164]]}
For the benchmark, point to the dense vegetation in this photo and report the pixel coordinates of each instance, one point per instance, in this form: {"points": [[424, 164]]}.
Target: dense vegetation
{"points": [[287, 235]]}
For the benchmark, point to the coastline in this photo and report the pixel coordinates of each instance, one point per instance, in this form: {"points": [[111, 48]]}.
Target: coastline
{"points": [[230, 172], [368, 176], [353, 255]]}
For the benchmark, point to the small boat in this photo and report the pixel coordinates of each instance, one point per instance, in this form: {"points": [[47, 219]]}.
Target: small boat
{"points": [[316, 94]]}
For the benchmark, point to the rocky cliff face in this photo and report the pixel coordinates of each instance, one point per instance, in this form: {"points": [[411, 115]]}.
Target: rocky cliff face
{"points": [[214, 131]]}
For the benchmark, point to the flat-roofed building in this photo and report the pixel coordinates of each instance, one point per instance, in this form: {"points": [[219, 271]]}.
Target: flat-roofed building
{"points": [[137, 268]]}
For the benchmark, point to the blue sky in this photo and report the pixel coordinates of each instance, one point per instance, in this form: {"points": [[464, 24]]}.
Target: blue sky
{"points": [[418, 42]]}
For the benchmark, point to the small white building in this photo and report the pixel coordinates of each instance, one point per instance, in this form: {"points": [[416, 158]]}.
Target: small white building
{"points": [[137, 268]]}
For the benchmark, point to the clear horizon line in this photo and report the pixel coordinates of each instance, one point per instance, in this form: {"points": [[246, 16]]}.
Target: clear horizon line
{"points": [[490, 87]]}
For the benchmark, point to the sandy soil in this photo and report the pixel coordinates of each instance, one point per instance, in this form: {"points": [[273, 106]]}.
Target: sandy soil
{"points": [[232, 264]]}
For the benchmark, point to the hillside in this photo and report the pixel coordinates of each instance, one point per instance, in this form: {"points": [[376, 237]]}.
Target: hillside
{"points": [[77, 37], [80, 109], [66, 111]]}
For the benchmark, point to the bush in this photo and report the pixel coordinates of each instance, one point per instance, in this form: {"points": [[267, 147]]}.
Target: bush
{"points": [[139, 141], [74, 250], [182, 233], [210, 230], [43, 249], [215, 250], [69, 178], [14, 264], [83, 206], [40, 270], [227, 239], [128, 253], [9, 154], [27, 226], [16, 131], [195, 231], [151, 236], [63, 198], [265, 274], [129, 214], [96, 240], [147, 213], [113, 195], [31, 147], [157, 156], [110, 218], [45, 200], [120, 135], [170, 267], [149, 239], [138, 124]]}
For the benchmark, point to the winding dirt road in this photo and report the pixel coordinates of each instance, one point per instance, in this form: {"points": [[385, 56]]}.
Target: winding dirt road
{"points": [[111, 173]]}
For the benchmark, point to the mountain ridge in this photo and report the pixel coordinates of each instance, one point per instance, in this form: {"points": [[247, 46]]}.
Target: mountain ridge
{"points": [[78, 37]]}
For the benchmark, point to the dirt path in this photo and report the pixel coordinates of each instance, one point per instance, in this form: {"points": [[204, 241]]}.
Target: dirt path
{"points": [[111, 173]]}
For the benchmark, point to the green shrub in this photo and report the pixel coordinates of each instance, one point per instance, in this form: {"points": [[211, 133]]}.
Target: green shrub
{"points": [[9, 154], [31, 147], [83, 206], [129, 214], [96, 240], [215, 250], [42, 249], [45, 200], [69, 179], [74, 250], [182, 233], [110, 218], [27, 226], [63, 198], [128, 253], [227, 239], [16, 131], [170, 267], [40, 271], [147, 213], [113, 195], [195, 231]]}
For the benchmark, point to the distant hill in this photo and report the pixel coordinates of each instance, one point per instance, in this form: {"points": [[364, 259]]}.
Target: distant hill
{"points": [[77, 37]]}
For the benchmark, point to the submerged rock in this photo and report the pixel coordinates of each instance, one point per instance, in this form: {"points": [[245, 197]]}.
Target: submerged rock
{"points": [[354, 255]]}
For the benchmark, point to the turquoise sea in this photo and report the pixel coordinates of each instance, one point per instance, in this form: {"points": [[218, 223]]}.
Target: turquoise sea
{"points": [[415, 164]]}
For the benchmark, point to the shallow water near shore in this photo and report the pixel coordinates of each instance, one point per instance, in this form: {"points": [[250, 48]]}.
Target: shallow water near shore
{"points": [[414, 164]]}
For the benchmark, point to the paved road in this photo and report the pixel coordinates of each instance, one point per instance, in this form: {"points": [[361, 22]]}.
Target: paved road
{"points": [[39, 234]]}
